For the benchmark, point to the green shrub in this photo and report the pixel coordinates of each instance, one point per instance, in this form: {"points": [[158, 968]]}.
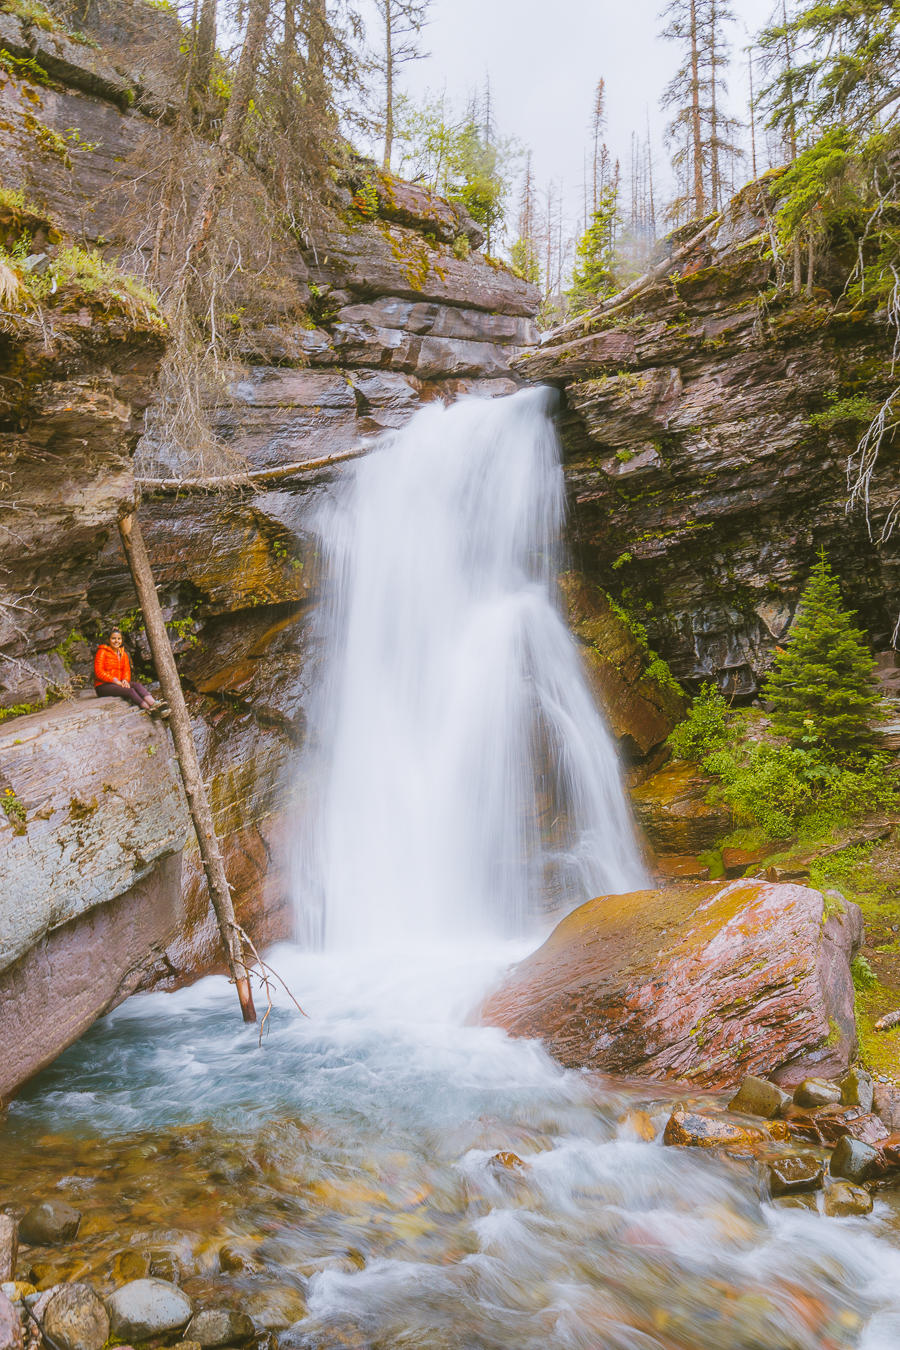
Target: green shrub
{"points": [[784, 790], [704, 730]]}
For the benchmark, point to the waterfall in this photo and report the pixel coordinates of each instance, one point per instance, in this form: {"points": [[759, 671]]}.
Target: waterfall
{"points": [[459, 776]]}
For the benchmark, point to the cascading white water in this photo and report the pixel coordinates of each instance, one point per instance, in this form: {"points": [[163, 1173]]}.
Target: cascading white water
{"points": [[466, 780]]}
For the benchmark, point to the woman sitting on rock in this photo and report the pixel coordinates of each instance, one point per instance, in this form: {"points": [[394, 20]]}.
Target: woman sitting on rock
{"points": [[112, 676]]}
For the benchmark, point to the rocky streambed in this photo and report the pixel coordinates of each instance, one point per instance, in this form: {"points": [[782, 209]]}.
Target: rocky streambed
{"points": [[381, 1175]]}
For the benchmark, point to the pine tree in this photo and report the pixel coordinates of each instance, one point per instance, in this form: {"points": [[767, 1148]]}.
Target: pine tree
{"points": [[822, 686], [700, 131], [595, 256]]}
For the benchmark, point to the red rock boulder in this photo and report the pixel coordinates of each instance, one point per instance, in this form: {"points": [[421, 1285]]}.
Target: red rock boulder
{"points": [[704, 982]]}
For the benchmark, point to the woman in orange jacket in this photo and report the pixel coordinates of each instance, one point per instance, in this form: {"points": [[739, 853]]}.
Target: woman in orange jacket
{"points": [[112, 675]]}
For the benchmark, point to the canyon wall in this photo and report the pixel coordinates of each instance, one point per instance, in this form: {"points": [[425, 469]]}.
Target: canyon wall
{"points": [[708, 423]]}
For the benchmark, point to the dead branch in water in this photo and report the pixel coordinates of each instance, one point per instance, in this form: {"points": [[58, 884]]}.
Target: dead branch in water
{"points": [[264, 972]]}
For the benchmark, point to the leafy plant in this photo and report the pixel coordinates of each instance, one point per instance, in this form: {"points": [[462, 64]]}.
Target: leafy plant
{"points": [[25, 68], [856, 408], [705, 728], [13, 809], [785, 790], [864, 977]]}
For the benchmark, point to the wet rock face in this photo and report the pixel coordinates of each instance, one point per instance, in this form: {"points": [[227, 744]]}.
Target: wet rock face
{"points": [[690, 448], [673, 811], [641, 709], [703, 982]]}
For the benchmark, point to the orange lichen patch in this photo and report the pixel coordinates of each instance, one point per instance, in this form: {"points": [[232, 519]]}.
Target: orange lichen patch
{"points": [[673, 810]]}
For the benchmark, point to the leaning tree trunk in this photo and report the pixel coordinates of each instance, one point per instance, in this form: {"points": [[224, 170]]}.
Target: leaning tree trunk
{"points": [[186, 750]]}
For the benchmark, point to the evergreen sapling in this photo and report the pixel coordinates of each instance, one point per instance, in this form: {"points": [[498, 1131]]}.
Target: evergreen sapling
{"points": [[822, 686]]}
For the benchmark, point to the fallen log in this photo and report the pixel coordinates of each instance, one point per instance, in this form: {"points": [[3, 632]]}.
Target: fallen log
{"points": [[252, 476]]}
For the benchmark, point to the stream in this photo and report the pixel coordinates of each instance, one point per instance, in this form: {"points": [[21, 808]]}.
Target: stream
{"points": [[384, 1172]]}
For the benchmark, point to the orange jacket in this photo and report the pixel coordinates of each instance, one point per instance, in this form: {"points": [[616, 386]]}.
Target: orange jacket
{"points": [[110, 665]]}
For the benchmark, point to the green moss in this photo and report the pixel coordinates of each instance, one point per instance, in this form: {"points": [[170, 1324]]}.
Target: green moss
{"points": [[879, 1051], [856, 408], [20, 710], [713, 860], [64, 650], [89, 274], [26, 68]]}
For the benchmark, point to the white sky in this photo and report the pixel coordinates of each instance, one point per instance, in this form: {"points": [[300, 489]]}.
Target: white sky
{"points": [[544, 58]]}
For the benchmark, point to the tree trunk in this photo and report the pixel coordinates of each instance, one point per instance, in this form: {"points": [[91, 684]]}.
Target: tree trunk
{"points": [[798, 265], [388, 86], [227, 146], [696, 130], [317, 94], [206, 43], [715, 184], [811, 265], [186, 750]]}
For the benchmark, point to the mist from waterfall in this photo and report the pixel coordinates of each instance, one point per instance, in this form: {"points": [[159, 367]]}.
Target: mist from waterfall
{"points": [[459, 776]]}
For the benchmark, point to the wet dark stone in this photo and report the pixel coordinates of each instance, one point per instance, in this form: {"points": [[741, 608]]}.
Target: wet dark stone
{"points": [[794, 1174], [221, 1326]]}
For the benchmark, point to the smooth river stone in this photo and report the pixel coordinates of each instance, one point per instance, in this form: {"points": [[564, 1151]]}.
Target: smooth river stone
{"points": [[220, 1326], [759, 1097], [146, 1308], [76, 1319], [852, 1159], [843, 1199], [816, 1092], [48, 1223], [794, 1175]]}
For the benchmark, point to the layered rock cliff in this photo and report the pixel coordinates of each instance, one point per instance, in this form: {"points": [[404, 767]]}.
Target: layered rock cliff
{"points": [[709, 420]]}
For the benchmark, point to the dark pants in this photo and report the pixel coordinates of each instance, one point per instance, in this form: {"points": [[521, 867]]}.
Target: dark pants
{"points": [[136, 692]]}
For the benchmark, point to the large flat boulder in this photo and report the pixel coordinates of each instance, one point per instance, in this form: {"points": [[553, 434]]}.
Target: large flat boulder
{"points": [[90, 871], [703, 982], [101, 804]]}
